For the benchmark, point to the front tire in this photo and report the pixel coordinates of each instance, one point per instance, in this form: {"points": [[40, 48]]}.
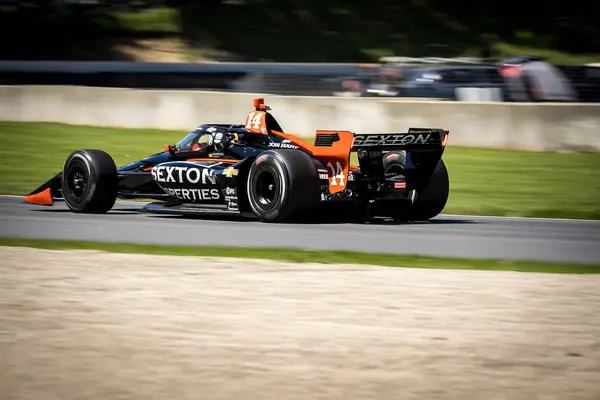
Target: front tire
{"points": [[431, 198], [89, 182], [283, 185]]}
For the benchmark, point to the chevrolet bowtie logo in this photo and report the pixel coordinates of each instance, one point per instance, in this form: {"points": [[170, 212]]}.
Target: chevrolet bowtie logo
{"points": [[230, 171]]}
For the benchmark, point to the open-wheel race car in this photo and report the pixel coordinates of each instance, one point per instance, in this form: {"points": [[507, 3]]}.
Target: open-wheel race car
{"points": [[257, 170]]}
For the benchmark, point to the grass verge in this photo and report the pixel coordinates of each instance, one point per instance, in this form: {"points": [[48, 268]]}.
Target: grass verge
{"points": [[482, 181], [303, 256]]}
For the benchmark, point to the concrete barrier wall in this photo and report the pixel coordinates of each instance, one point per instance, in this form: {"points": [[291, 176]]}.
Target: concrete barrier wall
{"points": [[552, 127]]}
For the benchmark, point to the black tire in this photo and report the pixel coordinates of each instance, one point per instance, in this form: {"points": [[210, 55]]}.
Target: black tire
{"points": [[283, 185], [89, 182], [432, 198]]}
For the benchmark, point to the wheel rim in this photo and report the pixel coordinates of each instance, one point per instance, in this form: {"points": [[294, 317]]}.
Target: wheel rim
{"points": [[266, 188], [76, 179]]}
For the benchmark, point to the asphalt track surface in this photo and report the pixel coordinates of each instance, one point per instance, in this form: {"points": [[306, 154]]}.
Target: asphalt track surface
{"points": [[555, 240]]}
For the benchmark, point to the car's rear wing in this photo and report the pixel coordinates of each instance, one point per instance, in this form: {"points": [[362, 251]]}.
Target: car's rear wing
{"points": [[415, 139], [333, 149]]}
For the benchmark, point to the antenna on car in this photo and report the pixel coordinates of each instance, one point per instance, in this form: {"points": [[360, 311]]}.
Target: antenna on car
{"points": [[259, 104]]}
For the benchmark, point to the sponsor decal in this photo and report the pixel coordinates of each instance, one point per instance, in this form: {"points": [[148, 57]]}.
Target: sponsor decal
{"points": [[337, 173], [392, 139], [230, 171], [179, 174], [283, 145], [230, 195], [326, 176], [232, 205], [194, 194]]}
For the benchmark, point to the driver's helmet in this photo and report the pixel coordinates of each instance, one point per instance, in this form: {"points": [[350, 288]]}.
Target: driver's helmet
{"points": [[203, 143], [215, 139]]}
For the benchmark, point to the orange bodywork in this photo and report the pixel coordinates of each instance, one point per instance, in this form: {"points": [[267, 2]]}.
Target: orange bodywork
{"points": [[335, 158], [43, 198], [256, 121], [333, 152]]}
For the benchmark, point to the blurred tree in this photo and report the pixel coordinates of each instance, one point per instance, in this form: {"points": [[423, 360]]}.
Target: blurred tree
{"points": [[302, 30]]}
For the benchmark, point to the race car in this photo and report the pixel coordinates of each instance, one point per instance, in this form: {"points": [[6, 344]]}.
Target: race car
{"points": [[257, 170]]}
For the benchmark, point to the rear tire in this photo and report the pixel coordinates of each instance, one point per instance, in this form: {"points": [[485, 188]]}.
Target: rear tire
{"points": [[432, 198], [89, 182], [283, 185]]}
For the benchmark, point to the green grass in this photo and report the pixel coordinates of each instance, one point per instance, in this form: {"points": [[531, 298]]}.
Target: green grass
{"points": [[527, 184], [302, 256], [31, 153], [483, 181]]}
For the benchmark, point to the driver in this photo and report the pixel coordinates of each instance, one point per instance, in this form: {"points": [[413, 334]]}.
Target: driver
{"points": [[218, 141]]}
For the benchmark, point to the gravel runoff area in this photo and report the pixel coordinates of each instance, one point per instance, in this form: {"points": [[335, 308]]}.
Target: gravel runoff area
{"points": [[94, 325]]}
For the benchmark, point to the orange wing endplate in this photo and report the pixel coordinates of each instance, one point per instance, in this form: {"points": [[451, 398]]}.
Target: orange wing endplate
{"points": [[333, 149]]}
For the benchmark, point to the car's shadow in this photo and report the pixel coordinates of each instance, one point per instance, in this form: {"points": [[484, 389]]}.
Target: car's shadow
{"points": [[120, 211], [441, 220], [436, 221], [329, 220]]}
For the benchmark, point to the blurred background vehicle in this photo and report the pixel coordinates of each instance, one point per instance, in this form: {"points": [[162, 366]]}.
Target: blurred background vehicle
{"points": [[533, 79], [444, 79]]}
